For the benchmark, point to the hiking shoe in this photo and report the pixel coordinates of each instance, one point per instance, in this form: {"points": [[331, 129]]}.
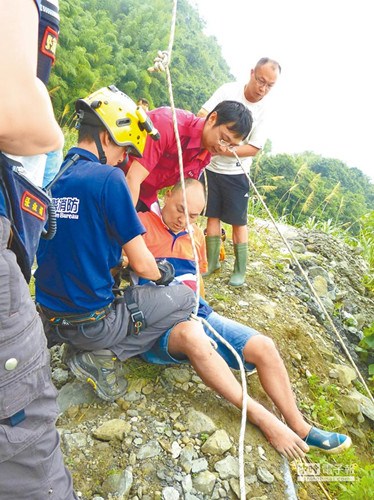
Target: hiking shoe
{"points": [[102, 370], [328, 442]]}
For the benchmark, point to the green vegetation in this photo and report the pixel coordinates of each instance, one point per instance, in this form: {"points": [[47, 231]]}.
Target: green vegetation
{"points": [[307, 189], [362, 487], [220, 297], [366, 240], [71, 136], [204, 436], [32, 287], [105, 42], [138, 369], [323, 408], [365, 349], [349, 463]]}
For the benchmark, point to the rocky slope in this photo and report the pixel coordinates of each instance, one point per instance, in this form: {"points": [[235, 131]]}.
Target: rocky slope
{"points": [[171, 437]]}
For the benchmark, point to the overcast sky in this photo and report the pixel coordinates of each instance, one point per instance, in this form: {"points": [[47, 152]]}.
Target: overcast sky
{"points": [[324, 101]]}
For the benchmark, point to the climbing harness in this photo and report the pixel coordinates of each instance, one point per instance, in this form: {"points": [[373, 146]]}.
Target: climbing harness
{"points": [[137, 321], [74, 320]]}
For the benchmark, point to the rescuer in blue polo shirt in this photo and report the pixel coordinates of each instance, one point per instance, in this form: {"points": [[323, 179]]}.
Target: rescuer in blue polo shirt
{"points": [[96, 218]]}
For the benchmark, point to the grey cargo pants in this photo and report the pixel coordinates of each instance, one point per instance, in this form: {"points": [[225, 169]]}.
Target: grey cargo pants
{"points": [[163, 307], [31, 463]]}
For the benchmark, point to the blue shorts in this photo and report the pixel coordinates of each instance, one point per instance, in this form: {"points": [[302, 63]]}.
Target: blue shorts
{"points": [[234, 333]]}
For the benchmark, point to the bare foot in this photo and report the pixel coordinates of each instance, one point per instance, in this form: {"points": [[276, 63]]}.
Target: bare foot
{"points": [[281, 437]]}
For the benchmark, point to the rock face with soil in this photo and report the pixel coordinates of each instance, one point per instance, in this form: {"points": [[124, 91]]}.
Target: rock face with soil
{"points": [[171, 437]]}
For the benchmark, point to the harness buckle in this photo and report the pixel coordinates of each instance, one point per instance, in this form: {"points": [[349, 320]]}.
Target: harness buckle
{"points": [[137, 318]]}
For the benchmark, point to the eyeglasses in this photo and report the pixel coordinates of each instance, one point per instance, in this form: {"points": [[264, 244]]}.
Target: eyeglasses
{"points": [[262, 83], [227, 145]]}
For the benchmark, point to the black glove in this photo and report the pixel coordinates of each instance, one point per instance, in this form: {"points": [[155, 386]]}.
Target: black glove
{"points": [[167, 272]]}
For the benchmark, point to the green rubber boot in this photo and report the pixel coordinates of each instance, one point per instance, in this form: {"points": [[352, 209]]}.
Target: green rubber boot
{"points": [[213, 245], [240, 266]]}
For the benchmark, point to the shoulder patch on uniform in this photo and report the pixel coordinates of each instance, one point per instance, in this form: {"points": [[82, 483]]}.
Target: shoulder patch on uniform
{"points": [[49, 43], [33, 205]]}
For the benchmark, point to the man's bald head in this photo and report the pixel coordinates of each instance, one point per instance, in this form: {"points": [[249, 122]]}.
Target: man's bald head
{"points": [[173, 212]]}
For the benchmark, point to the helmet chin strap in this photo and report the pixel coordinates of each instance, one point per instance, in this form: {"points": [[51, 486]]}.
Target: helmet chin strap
{"points": [[124, 162], [100, 150]]}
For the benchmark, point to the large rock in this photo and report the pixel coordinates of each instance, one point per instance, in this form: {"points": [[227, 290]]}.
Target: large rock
{"points": [[118, 485], [113, 429], [187, 456], [264, 475], [218, 443], [73, 441], [198, 422], [320, 286], [76, 393], [349, 405], [228, 467], [199, 465], [366, 405], [177, 375], [170, 493], [204, 482], [149, 450], [248, 481], [345, 374]]}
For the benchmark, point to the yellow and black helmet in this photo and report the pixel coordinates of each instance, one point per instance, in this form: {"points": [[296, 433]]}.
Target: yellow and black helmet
{"points": [[127, 125]]}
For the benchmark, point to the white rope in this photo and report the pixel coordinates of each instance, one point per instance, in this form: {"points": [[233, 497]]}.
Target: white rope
{"points": [[232, 150], [183, 185], [244, 406], [161, 63]]}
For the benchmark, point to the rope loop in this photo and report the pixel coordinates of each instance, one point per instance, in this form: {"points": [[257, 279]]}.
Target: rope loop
{"points": [[161, 62]]}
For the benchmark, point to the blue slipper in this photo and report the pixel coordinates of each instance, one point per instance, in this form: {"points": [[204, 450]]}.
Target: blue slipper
{"points": [[328, 442]]}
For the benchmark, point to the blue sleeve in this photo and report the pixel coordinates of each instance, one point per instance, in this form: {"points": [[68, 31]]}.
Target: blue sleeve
{"points": [[122, 220], [3, 206]]}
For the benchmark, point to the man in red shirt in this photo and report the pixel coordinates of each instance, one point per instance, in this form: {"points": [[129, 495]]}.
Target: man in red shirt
{"points": [[226, 126]]}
